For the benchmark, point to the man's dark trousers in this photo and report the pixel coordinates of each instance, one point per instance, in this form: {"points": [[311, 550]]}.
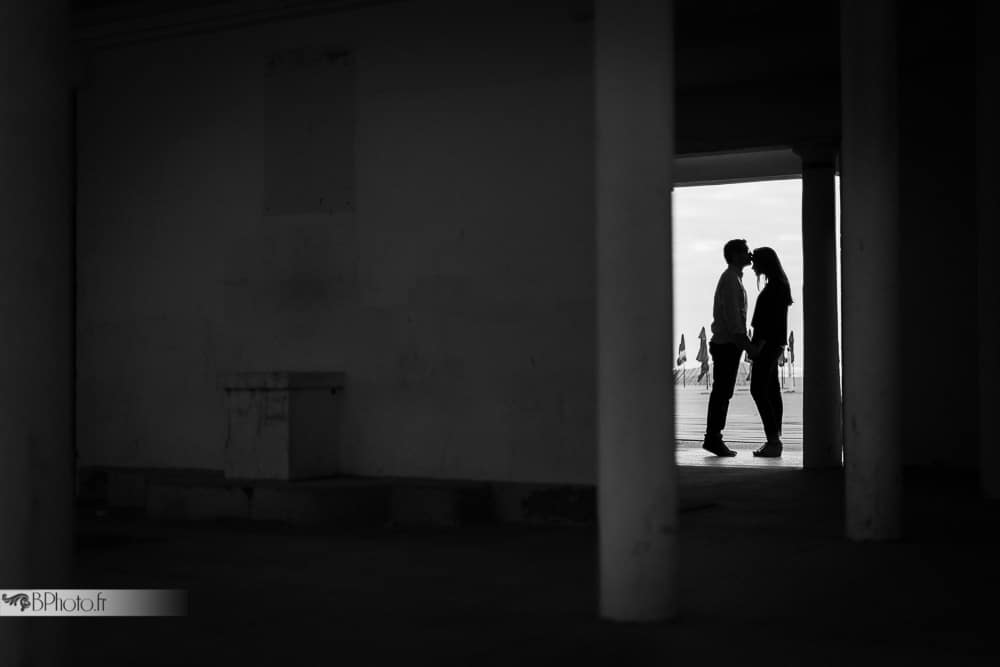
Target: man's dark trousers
{"points": [[726, 358]]}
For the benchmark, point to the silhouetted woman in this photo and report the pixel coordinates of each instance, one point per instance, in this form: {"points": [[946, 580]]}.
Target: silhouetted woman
{"points": [[770, 336]]}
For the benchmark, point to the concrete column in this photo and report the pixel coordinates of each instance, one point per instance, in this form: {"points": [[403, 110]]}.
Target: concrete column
{"points": [[36, 461], [637, 475], [988, 213], [870, 273], [823, 437]]}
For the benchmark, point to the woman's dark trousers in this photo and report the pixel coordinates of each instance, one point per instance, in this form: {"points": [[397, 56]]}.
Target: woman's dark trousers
{"points": [[766, 391]]}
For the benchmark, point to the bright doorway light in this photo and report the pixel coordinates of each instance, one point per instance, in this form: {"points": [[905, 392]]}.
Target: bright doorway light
{"points": [[765, 213]]}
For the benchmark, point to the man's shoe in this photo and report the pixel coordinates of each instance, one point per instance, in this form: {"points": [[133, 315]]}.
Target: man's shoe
{"points": [[717, 447], [769, 450]]}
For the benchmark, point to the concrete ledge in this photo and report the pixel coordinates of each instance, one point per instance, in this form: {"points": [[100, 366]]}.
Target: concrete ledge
{"points": [[359, 501], [337, 501], [441, 503], [545, 503], [169, 501], [339, 505]]}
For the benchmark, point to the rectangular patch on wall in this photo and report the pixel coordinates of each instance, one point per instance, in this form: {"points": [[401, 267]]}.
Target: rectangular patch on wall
{"points": [[307, 136]]}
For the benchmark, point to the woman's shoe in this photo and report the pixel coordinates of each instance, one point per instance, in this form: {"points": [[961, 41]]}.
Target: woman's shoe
{"points": [[769, 450]]}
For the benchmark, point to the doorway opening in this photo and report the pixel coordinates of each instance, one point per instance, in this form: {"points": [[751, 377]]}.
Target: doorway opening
{"points": [[705, 216]]}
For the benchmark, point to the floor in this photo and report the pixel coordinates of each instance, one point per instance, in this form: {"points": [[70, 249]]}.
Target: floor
{"points": [[690, 453], [742, 420], [743, 432], [765, 578]]}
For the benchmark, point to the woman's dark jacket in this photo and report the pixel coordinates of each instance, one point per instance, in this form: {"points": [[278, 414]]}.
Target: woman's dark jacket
{"points": [[770, 315]]}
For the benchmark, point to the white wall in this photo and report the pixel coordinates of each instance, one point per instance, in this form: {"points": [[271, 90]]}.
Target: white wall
{"points": [[418, 215]]}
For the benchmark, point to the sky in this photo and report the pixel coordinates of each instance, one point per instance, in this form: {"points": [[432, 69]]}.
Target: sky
{"points": [[765, 213]]}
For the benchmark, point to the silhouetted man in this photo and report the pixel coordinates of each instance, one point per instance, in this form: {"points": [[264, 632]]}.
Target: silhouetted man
{"points": [[729, 342]]}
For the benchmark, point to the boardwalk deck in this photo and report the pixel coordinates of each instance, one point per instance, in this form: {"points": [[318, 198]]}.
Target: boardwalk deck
{"points": [[743, 429]]}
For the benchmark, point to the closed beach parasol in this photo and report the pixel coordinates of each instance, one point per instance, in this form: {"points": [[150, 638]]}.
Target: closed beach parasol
{"points": [[702, 354], [682, 357]]}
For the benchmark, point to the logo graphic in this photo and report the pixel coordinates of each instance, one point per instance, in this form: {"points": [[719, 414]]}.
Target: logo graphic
{"points": [[92, 602], [20, 598]]}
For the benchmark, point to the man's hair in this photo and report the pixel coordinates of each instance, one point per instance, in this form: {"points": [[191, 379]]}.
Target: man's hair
{"points": [[729, 250]]}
